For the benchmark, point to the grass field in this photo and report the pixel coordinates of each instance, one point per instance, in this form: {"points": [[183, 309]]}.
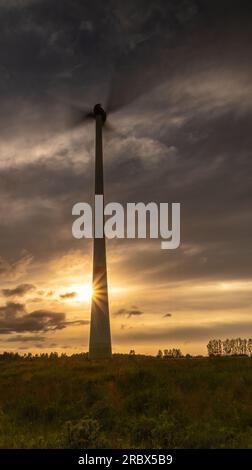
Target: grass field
{"points": [[126, 403]]}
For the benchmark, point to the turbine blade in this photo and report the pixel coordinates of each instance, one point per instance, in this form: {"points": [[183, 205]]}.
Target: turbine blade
{"points": [[74, 114], [78, 116]]}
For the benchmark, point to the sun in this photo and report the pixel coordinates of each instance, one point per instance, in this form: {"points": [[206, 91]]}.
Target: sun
{"points": [[87, 292], [82, 293]]}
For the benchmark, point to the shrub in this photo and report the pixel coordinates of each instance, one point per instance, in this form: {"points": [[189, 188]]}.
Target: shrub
{"points": [[165, 432], [84, 433]]}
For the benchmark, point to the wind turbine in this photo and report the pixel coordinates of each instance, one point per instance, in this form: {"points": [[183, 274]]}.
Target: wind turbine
{"points": [[100, 336]]}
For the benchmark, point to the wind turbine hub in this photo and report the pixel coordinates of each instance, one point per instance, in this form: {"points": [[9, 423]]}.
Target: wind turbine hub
{"points": [[99, 111]]}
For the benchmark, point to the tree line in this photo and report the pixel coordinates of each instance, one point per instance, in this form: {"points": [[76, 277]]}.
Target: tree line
{"points": [[52, 356], [230, 347], [169, 353]]}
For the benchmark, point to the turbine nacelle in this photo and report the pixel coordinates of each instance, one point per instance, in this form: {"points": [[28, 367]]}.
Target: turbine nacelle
{"points": [[99, 111]]}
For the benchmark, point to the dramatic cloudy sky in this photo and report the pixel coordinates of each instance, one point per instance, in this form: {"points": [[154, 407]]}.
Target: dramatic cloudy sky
{"points": [[181, 73]]}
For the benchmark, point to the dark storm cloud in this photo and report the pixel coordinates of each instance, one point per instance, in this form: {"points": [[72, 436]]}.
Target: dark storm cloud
{"points": [[70, 41], [73, 47], [12, 309], [187, 141], [15, 319], [19, 291]]}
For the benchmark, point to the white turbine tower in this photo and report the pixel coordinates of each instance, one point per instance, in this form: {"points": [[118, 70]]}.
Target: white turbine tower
{"points": [[100, 337]]}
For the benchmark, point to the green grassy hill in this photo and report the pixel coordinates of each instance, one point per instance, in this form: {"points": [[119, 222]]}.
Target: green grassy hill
{"points": [[126, 402]]}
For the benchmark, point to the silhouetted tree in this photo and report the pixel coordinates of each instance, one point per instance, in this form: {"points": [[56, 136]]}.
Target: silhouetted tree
{"points": [[53, 355], [230, 347], [214, 347], [174, 353]]}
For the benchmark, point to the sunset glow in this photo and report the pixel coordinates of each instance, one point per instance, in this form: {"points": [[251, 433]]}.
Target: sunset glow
{"points": [[178, 132], [83, 293]]}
